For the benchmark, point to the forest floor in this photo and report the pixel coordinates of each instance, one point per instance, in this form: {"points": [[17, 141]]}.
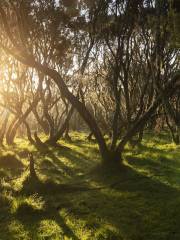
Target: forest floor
{"points": [[75, 198]]}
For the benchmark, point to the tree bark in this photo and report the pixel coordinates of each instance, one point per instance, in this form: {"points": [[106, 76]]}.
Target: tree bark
{"points": [[21, 119]]}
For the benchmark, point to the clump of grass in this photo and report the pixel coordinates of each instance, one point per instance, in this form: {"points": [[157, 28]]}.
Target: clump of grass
{"points": [[34, 201]]}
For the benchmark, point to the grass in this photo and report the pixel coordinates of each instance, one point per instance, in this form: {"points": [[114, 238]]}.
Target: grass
{"points": [[75, 198]]}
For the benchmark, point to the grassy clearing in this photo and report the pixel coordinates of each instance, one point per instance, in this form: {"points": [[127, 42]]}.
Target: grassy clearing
{"points": [[142, 202]]}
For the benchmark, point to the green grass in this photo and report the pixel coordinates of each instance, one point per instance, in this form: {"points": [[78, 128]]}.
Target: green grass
{"points": [[75, 198]]}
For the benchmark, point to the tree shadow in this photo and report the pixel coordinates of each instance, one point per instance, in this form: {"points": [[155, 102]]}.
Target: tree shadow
{"points": [[10, 161], [47, 189], [138, 206], [143, 206], [58, 168], [144, 148], [76, 157], [162, 137], [166, 169], [57, 165], [26, 214]]}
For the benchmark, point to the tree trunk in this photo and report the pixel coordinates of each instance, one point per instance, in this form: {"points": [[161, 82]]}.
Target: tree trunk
{"points": [[42, 123], [21, 119], [89, 137], [8, 141], [66, 135], [31, 167], [81, 108], [31, 140], [53, 140], [175, 132], [3, 129]]}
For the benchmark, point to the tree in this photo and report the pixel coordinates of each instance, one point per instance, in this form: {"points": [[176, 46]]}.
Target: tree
{"points": [[47, 41]]}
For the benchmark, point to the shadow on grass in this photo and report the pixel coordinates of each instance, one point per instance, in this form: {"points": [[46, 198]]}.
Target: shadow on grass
{"points": [[136, 206], [141, 207], [56, 165], [124, 204], [148, 149], [76, 157], [60, 169], [162, 137], [10, 161], [26, 214], [167, 169], [48, 187]]}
